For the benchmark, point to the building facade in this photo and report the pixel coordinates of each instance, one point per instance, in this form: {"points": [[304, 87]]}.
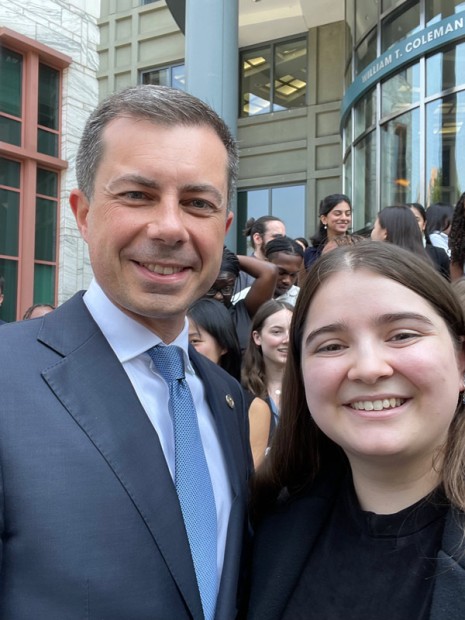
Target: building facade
{"points": [[48, 63]]}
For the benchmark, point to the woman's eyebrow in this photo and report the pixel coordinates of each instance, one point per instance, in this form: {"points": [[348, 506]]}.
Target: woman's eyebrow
{"points": [[325, 329], [393, 317]]}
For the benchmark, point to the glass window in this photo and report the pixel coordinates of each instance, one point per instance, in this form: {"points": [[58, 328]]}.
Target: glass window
{"points": [[49, 85], [174, 76], [445, 70], [9, 270], [273, 77], [348, 178], [256, 81], [365, 113], [366, 16], [400, 155], [350, 25], [400, 25], [47, 183], [10, 172], [46, 227], [9, 222], [445, 149], [47, 142], [365, 53], [44, 284], [290, 76], [364, 190], [401, 91], [287, 203], [440, 9], [388, 4], [11, 65]]}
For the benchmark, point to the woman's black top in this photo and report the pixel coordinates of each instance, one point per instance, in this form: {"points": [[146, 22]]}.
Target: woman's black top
{"points": [[366, 566]]}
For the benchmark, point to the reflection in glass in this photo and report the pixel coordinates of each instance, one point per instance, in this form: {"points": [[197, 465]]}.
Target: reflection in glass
{"points": [[400, 156], [350, 26], [364, 191], [366, 16], [44, 284], [9, 270], [49, 88], [11, 65], [436, 10], [174, 76], [445, 149], [398, 27], [46, 227], [348, 180], [445, 70], [290, 75], [256, 81], [365, 113], [366, 52], [9, 222], [401, 91]]}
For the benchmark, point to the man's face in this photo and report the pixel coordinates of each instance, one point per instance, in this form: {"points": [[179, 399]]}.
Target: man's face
{"points": [[289, 266], [273, 229], [156, 223]]}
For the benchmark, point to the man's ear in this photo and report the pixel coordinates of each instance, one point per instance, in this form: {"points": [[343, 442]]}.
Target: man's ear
{"points": [[80, 208], [229, 221]]}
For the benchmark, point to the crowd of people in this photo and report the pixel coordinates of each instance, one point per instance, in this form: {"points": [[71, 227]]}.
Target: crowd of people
{"points": [[209, 435]]}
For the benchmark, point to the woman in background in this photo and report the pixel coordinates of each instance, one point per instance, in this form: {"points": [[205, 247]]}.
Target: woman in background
{"points": [[360, 502], [266, 354], [437, 255], [212, 333], [397, 225], [335, 220]]}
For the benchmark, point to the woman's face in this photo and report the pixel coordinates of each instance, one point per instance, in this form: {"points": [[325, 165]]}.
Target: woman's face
{"points": [[274, 337], [204, 343], [338, 219], [419, 218], [378, 233], [381, 373]]}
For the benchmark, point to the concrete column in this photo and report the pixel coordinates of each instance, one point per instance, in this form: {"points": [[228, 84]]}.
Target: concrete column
{"points": [[212, 61]]}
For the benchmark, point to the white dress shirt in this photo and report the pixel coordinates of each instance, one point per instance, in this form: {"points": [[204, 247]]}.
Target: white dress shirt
{"points": [[130, 341]]}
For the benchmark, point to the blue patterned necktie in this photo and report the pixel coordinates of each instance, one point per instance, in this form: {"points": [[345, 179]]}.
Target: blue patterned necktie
{"points": [[192, 478]]}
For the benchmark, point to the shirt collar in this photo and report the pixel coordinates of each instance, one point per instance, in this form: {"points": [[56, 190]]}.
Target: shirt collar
{"points": [[127, 337]]}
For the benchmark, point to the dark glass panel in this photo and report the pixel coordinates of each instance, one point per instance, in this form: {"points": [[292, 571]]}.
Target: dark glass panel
{"points": [[366, 53], [364, 191], [10, 172], [365, 113], [366, 16], [44, 284], [47, 142], [9, 222], [11, 65], [47, 183], [10, 131], [46, 229], [49, 90], [9, 270]]}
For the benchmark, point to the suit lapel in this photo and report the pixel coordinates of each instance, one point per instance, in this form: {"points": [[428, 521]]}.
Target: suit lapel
{"points": [[92, 385]]}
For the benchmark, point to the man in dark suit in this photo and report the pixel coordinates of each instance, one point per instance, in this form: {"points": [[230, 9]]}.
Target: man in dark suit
{"points": [[90, 519]]}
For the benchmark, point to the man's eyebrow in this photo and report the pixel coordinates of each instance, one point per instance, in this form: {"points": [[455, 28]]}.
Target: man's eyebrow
{"points": [[203, 188]]}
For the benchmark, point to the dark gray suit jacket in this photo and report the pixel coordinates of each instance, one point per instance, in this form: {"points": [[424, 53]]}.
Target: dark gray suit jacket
{"points": [[286, 537], [90, 522]]}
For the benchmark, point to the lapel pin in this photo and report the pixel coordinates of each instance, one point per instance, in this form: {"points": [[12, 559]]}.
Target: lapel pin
{"points": [[230, 401]]}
